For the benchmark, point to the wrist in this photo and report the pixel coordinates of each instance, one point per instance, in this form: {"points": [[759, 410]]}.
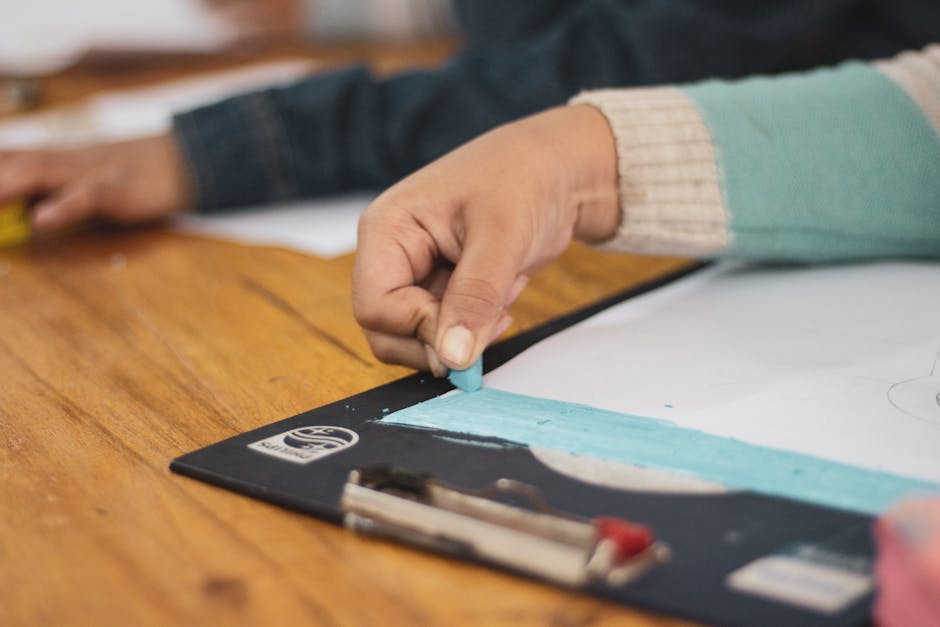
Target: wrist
{"points": [[592, 159], [169, 162]]}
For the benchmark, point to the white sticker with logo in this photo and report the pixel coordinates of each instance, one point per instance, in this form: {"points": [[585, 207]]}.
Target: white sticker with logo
{"points": [[806, 576], [306, 444]]}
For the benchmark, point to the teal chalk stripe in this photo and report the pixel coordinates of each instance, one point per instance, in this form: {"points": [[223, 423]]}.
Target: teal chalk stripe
{"points": [[583, 430], [833, 164]]}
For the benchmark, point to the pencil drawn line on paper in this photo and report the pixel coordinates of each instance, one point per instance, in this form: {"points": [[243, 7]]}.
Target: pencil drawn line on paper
{"points": [[919, 397]]}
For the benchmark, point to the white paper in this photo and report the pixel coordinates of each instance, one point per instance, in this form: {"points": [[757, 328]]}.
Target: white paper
{"points": [[837, 362], [41, 36], [130, 113], [325, 227]]}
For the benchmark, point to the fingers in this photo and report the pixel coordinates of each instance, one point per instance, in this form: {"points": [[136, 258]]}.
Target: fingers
{"points": [[407, 351], [484, 281], [416, 354], [30, 174], [403, 293], [24, 175], [411, 352], [71, 205], [127, 182], [396, 279]]}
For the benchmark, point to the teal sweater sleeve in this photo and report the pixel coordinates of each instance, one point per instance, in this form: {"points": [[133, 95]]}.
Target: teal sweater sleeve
{"points": [[830, 165]]}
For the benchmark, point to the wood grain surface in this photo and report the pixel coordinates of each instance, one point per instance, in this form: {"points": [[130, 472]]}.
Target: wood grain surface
{"points": [[120, 350]]}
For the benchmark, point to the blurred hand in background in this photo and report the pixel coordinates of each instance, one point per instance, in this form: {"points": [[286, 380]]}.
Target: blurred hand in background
{"points": [[130, 182]]}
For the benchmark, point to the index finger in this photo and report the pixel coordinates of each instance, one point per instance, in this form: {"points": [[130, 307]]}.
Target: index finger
{"points": [[393, 257]]}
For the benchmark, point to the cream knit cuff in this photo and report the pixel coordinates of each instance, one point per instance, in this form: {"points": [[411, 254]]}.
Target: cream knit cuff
{"points": [[670, 196], [918, 73]]}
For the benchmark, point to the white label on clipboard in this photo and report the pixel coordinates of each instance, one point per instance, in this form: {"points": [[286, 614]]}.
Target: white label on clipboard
{"points": [[306, 444], [800, 577]]}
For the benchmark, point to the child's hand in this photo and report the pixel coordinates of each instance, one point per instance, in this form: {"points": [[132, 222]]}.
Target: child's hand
{"points": [[443, 253], [128, 182]]}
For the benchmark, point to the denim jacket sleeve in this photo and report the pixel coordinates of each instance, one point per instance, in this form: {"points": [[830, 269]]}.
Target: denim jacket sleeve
{"points": [[347, 129]]}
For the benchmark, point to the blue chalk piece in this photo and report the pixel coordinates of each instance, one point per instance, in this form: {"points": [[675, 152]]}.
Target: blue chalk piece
{"points": [[469, 380]]}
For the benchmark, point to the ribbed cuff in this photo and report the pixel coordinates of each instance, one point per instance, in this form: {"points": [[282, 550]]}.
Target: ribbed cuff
{"points": [[918, 73], [670, 195], [237, 152]]}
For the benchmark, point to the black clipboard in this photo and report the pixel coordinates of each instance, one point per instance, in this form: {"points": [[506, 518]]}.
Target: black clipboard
{"points": [[713, 539]]}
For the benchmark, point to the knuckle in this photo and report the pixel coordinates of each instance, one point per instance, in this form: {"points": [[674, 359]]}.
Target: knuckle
{"points": [[370, 315], [382, 349], [366, 314], [473, 299], [371, 319], [407, 319], [375, 216], [364, 225], [420, 323]]}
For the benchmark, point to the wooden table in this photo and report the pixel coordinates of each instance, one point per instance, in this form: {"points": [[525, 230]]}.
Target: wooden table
{"points": [[120, 350]]}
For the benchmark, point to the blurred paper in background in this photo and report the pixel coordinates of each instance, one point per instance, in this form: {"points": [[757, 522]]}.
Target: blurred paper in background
{"points": [[42, 36], [130, 113]]}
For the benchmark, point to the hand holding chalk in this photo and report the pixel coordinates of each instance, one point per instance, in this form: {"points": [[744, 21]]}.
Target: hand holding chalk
{"points": [[445, 252]]}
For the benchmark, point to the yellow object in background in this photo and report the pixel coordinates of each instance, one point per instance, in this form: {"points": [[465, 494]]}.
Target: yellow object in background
{"points": [[14, 224]]}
